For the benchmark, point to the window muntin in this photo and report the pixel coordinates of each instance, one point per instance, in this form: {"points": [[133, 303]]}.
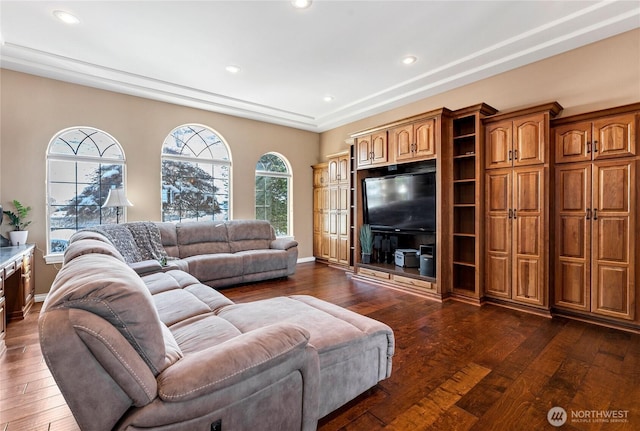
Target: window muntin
{"points": [[83, 163], [196, 172], [272, 198]]}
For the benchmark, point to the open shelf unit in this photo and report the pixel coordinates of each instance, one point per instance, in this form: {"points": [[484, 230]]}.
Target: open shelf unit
{"points": [[467, 200]]}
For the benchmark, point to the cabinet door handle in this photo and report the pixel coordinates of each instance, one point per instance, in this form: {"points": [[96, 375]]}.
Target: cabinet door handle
{"points": [[595, 213], [510, 152], [595, 146], [588, 213], [515, 214], [510, 213], [515, 154], [588, 147]]}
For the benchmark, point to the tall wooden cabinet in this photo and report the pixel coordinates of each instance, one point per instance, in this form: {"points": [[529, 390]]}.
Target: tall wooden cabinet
{"points": [[331, 208], [517, 206], [596, 214]]}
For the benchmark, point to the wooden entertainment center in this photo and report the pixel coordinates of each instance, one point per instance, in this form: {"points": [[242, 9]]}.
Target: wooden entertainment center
{"points": [[532, 212]]}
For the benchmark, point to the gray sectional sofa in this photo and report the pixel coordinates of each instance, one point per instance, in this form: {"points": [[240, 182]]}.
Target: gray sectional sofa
{"points": [[218, 254], [164, 351]]}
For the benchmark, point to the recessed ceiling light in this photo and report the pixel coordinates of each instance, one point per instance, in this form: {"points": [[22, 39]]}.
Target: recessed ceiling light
{"points": [[410, 59], [66, 17], [328, 98], [232, 69], [301, 4]]}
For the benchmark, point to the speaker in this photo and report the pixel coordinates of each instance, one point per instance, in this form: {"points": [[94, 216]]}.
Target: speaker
{"points": [[427, 267], [394, 242], [385, 246], [377, 241]]}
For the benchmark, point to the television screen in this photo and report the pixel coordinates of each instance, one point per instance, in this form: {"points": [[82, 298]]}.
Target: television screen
{"points": [[401, 202]]}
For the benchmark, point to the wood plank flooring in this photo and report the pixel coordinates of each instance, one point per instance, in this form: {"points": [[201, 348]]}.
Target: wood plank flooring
{"points": [[457, 366]]}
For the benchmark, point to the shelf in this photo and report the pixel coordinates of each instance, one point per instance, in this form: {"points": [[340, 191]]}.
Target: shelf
{"points": [[468, 135], [466, 235], [465, 264], [465, 180], [464, 156]]}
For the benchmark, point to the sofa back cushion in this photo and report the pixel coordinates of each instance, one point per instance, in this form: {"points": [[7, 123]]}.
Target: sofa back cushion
{"points": [[88, 246], [106, 286], [249, 235], [169, 238], [207, 237]]}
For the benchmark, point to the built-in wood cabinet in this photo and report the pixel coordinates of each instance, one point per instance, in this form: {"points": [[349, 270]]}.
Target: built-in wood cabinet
{"points": [[603, 138], [596, 215], [372, 149], [415, 141], [595, 226], [331, 203], [321, 211], [515, 234], [517, 198]]}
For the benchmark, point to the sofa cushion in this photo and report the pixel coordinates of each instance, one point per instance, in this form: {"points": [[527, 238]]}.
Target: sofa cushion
{"points": [[249, 235], [169, 238], [107, 287], [202, 331], [197, 238], [207, 267], [265, 260]]}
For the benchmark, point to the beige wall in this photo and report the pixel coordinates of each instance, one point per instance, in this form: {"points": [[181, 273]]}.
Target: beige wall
{"points": [[598, 76], [34, 109]]}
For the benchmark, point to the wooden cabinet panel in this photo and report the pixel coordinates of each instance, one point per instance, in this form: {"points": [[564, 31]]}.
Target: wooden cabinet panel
{"points": [[498, 233], [372, 150], [515, 247], [614, 236], [614, 137], [572, 142], [573, 233], [379, 148], [414, 142], [595, 140], [529, 141], [402, 140], [498, 147]]}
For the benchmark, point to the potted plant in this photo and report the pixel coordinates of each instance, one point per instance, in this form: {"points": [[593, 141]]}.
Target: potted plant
{"points": [[18, 220], [366, 243]]}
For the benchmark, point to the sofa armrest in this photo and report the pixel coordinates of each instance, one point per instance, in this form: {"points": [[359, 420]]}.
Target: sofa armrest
{"points": [[146, 267], [234, 361], [283, 244]]}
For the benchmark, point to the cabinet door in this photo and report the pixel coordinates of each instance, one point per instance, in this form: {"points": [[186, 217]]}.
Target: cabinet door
{"points": [[573, 237], [425, 138], [614, 137], [379, 148], [401, 140], [498, 233], [343, 169], [614, 236], [529, 140], [573, 142], [363, 151], [498, 145], [528, 236], [333, 171], [320, 176]]}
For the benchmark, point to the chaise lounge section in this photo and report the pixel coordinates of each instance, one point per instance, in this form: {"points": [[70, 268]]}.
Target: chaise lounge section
{"points": [[165, 351]]}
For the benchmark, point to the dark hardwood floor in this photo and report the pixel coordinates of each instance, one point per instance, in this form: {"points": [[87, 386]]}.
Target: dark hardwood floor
{"points": [[456, 367]]}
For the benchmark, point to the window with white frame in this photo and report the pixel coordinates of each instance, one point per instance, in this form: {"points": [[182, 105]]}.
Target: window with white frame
{"points": [[83, 164], [273, 194], [196, 175]]}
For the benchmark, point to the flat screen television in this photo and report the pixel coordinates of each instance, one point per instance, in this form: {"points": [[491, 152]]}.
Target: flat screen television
{"points": [[405, 202]]}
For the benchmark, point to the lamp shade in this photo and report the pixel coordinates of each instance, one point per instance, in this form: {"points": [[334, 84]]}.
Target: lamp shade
{"points": [[117, 198]]}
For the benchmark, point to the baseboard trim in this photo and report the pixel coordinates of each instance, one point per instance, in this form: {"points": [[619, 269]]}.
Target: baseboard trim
{"points": [[306, 259], [40, 298]]}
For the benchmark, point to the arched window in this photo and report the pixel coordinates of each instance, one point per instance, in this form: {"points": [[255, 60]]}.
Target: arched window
{"points": [[273, 192], [83, 164], [196, 175]]}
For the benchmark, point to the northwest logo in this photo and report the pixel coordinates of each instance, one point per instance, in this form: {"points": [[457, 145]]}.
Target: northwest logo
{"points": [[557, 416]]}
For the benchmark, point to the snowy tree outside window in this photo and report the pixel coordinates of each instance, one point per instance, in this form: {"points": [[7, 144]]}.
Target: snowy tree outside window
{"points": [[83, 163], [196, 170], [272, 192]]}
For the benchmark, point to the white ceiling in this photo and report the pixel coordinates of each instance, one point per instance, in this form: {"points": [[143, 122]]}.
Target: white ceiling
{"points": [[177, 51]]}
